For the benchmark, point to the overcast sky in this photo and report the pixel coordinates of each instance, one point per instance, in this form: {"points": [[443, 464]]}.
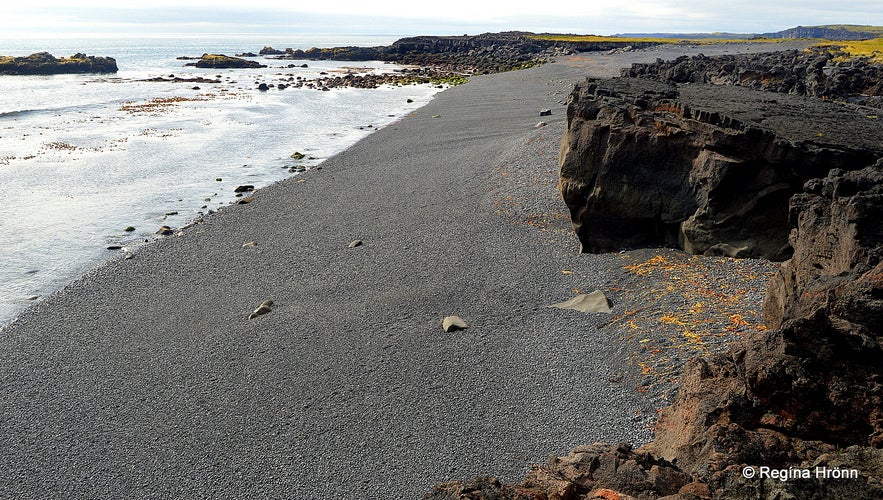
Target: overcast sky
{"points": [[602, 17]]}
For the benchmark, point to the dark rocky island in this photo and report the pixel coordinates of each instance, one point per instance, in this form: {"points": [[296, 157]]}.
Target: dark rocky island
{"points": [[44, 63], [726, 169], [218, 61]]}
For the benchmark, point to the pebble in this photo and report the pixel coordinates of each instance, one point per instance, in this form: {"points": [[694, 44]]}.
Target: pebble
{"points": [[129, 229], [355, 243], [454, 323], [540, 125], [164, 231], [248, 244], [546, 112], [595, 302], [114, 247], [262, 309]]}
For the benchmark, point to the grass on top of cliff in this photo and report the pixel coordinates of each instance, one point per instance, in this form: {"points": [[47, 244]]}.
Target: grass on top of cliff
{"points": [[872, 49], [860, 28], [621, 39]]}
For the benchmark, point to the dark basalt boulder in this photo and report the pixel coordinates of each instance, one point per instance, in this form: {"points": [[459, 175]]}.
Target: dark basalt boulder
{"points": [[707, 168], [837, 239], [586, 472], [219, 61], [44, 63]]}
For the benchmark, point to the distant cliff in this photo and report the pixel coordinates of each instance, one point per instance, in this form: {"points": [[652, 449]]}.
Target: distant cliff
{"points": [[44, 63], [825, 32]]}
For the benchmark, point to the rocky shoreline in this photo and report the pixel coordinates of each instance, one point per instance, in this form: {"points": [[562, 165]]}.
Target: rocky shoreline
{"points": [[804, 395], [478, 54]]}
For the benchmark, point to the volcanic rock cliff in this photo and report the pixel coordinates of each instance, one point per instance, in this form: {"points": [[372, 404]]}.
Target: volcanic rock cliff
{"points": [[708, 168]]}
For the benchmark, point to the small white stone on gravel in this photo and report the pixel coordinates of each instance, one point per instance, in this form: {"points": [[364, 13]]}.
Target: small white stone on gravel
{"points": [[540, 125], [454, 323], [355, 243], [264, 308], [595, 302], [249, 244]]}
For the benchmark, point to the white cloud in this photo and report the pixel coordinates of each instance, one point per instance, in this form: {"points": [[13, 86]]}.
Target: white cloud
{"points": [[439, 16]]}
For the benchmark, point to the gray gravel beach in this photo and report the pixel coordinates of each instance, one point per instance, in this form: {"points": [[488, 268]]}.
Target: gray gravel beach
{"points": [[146, 379]]}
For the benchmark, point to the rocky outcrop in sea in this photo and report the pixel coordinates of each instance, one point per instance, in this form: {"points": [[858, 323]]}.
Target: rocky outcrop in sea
{"points": [[222, 61], [44, 63]]}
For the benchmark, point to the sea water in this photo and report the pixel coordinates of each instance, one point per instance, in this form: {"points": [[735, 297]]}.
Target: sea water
{"points": [[84, 157]]}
